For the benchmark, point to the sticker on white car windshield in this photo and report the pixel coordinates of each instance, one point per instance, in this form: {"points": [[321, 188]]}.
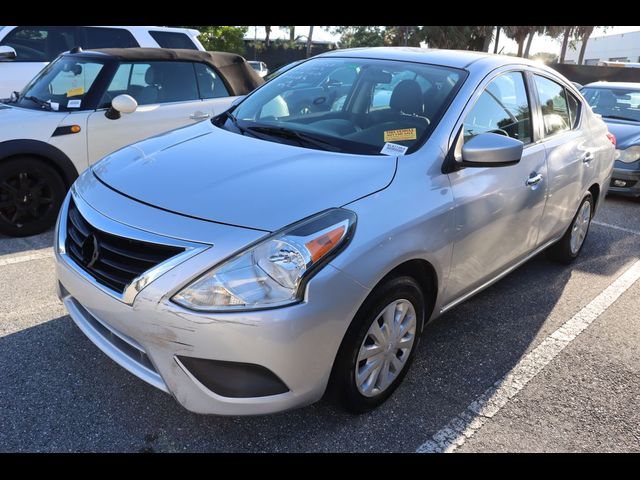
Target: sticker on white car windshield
{"points": [[393, 149], [74, 92], [74, 103], [54, 105]]}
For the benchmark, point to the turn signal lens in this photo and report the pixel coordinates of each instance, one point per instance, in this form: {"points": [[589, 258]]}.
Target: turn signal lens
{"points": [[319, 247], [612, 138]]}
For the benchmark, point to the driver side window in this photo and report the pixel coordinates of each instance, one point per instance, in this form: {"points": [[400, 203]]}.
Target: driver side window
{"points": [[503, 108]]}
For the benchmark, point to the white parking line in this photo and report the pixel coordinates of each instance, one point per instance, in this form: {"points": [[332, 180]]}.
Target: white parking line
{"points": [[468, 422], [36, 255], [616, 227]]}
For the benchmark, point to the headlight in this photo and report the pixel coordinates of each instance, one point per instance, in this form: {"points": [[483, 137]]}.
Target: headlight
{"points": [[273, 272], [628, 155]]}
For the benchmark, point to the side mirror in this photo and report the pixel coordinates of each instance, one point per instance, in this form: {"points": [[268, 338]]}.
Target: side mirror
{"points": [[7, 53], [121, 104], [491, 150]]}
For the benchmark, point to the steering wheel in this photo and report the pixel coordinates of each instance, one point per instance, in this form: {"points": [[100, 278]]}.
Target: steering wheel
{"points": [[499, 131]]}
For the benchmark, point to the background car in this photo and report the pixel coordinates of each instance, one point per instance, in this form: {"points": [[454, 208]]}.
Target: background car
{"points": [[25, 50], [71, 115], [619, 105], [260, 67]]}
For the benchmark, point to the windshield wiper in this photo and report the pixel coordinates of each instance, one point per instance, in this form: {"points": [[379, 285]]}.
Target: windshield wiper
{"points": [[301, 137], [37, 101], [234, 120], [620, 117]]}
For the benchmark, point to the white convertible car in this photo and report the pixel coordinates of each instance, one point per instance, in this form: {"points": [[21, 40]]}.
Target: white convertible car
{"points": [[71, 115]]}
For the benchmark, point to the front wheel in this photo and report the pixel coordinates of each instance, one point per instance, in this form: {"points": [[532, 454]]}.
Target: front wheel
{"points": [[31, 193], [379, 345], [570, 245]]}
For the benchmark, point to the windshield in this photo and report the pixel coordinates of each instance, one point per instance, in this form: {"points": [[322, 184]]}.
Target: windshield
{"points": [[350, 105], [617, 103], [62, 85]]}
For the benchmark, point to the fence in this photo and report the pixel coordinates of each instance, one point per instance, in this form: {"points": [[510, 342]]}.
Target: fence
{"points": [[584, 74]]}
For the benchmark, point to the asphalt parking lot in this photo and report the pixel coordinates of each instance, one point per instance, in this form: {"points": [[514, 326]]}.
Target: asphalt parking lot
{"points": [[547, 359]]}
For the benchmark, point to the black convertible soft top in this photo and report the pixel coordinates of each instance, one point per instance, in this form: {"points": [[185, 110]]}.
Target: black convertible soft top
{"points": [[237, 73]]}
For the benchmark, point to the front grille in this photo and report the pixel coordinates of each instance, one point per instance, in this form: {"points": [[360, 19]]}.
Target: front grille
{"points": [[112, 260]]}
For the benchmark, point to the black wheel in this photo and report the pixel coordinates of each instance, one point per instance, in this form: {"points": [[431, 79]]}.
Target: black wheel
{"points": [[570, 245], [379, 345], [30, 196]]}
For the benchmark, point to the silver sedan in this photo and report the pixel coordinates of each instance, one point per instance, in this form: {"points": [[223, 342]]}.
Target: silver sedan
{"points": [[299, 242]]}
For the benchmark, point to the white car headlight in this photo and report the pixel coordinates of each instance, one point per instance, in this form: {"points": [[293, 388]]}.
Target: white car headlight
{"points": [[273, 272], [628, 155]]}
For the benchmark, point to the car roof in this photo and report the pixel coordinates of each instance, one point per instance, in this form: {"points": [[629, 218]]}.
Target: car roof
{"points": [[450, 58], [239, 76], [614, 85]]}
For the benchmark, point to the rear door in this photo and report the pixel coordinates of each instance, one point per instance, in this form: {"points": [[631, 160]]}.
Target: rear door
{"points": [[569, 155], [497, 209], [168, 98]]}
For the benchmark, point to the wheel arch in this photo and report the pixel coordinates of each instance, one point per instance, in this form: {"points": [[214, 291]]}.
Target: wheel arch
{"points": [[54, 156], [595, 193]]}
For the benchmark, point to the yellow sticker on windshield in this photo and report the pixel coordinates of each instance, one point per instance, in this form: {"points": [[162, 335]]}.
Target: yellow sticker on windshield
{"points": [[74, 92], [399, 135]]}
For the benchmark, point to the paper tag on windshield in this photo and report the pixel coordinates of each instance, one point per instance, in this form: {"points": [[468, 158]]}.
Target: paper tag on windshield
{"points": [[74, 92], [54, 106], [74, 103], [400, 135], [393, 149]]}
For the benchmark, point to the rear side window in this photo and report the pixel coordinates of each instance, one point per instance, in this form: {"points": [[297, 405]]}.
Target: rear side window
{"points": [[173, 40], [40, 44], [108, 38], [554, 105], [209, 82], [574, 109], [502, 108], [153, 82]]}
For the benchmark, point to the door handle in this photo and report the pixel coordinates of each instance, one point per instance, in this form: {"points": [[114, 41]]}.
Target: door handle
{"points": [[587, 158], [199, 116], [534, 180]]}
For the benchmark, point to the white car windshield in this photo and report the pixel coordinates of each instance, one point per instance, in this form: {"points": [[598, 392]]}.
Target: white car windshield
{"points": [[350, 105], [62, 85]]}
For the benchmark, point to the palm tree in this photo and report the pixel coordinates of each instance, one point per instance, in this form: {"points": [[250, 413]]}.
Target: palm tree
{"points": [[309, 41], [267, 34], [566, 32], [495, 47], [519, 34], [532, 33], [583, 32]]}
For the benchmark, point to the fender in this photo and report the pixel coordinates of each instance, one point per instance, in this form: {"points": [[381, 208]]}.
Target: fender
{"points": [[42, 149]]}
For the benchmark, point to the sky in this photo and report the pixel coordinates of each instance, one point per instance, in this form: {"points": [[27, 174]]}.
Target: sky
{"points": [[539, 44]]}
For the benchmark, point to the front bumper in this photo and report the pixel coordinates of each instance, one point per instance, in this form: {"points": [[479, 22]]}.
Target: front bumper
{"points": [[297, 343], [631, 180]]}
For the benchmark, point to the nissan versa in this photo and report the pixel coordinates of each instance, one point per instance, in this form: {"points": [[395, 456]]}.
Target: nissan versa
{"points": [[298, 243]]}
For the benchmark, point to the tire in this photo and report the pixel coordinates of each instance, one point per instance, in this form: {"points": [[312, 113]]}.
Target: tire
{"points": [[31, 192], [563, 251], [343, 387]]}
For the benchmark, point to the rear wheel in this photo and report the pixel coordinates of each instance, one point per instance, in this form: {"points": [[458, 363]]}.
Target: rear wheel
{"points": [[570, 245], [379, 345], [31, 193]]}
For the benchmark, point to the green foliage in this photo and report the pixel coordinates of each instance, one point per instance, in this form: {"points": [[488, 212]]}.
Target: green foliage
{"points": [[222, 38], [360, 36]]}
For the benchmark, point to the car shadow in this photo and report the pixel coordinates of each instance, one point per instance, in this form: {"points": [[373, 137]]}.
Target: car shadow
{"points": [[60, 393]]}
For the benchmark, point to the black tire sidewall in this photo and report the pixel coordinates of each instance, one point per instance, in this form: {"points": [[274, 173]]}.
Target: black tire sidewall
{"points": [[562, 251], [42, 170], [343, 385]]}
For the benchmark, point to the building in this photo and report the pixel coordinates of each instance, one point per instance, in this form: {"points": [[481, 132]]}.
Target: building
{"points": [[623, 47]]}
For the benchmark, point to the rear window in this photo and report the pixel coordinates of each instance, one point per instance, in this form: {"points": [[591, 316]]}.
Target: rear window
{"points": [[173, 40], [108, 38]]}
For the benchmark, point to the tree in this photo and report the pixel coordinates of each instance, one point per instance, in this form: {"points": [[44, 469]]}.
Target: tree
{"points": [[309, 41], [495, 46], [518, 34], [458, 37], [292, 32], [267, 34], [360, 36], [222, 38], [532, 33], [561, 31], [583, 33]]}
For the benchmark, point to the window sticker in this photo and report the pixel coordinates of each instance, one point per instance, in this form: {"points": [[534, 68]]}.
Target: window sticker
{"points": [[400, 135], [394, 149], [55, 106], [74, 92], [74, 103]]}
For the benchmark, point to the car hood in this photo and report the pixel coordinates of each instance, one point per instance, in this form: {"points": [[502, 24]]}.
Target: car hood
{"points": [[627, 133], [209, 173], [16, 122]]}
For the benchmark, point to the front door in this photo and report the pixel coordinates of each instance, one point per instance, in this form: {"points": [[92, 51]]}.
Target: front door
{"points": [[497, 209]]}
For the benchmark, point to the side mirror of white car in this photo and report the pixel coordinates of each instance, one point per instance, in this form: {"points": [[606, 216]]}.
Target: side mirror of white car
{"points": [[121, 104], [7, 53]]}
